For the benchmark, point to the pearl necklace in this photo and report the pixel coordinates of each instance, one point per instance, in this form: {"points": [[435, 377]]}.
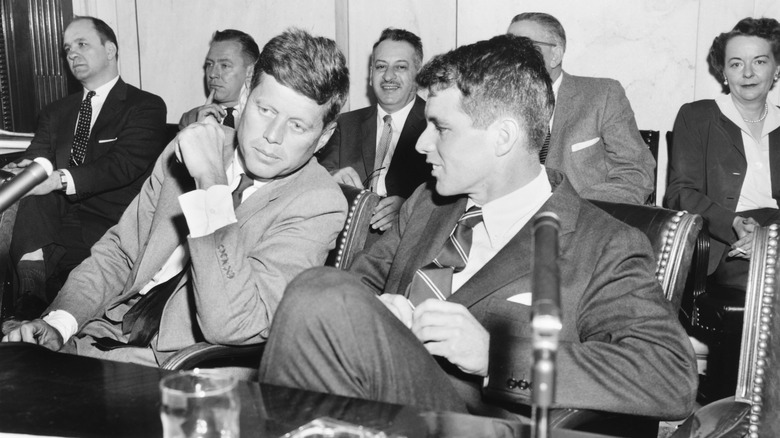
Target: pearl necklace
{"points": [[763, 115]]}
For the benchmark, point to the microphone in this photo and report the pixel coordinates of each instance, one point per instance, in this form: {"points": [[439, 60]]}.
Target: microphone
{"points": [[13, 189], [546, 319]]}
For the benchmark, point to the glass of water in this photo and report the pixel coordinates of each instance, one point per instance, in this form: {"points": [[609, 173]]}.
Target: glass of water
{"points": [[200, 403]]}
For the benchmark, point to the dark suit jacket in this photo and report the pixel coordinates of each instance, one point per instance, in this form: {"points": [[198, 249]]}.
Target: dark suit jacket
{"points": [[596, 143], [622, 348], [127, 137], [239, 272], [707, 169], [353, 144]]}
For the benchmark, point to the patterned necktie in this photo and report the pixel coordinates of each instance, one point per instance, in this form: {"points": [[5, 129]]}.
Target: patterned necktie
{"points": [[245, 183], [79, 149], [545, 147], [381, 149], [229, 120], [434, 280]]}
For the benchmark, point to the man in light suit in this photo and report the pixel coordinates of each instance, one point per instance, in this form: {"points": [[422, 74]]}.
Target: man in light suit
{"points": [[228, 71], [123, 132], [622, 348], [351, 155], [225, 270], [594, 139]]}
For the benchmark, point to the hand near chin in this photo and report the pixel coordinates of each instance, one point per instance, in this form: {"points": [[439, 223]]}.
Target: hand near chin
{"points": [[200, 147]]}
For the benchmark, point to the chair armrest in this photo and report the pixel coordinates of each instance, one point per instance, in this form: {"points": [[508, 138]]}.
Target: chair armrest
{"points": [[207, 355], [724, 418]]}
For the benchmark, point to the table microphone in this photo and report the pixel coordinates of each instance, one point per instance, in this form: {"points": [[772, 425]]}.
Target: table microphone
{"points": [[546, 319], [13, 189]]}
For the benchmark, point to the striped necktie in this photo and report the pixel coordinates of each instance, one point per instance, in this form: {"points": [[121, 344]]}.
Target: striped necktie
{"points": [[80, 139], [381, 149], [434, 280]]}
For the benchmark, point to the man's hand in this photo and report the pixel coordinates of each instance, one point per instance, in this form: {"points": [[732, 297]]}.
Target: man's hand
{"points": [[200, 113], [47, 186], [199, 146], [745, 228], [399, 306], [38, 332], [348, 176], [449, 330], [386, 212]]}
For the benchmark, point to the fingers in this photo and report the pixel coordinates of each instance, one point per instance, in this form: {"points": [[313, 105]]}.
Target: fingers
{"points": [[399, 306], [386, 212], [348, 176], [213, 110], [210, 99]]}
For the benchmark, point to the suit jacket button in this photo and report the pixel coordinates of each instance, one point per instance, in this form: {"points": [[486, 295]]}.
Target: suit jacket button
{"points": [[511, 383], [524, 384]]}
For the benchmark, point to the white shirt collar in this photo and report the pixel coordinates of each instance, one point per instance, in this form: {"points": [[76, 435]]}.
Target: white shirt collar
{"points": [[729, 109], [399, 117], [234, 171], [103, 90], [502, 214]]}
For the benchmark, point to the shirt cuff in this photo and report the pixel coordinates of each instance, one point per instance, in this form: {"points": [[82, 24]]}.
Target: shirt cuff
{"points": [[63, 322], [71, 189], [207, 210]]}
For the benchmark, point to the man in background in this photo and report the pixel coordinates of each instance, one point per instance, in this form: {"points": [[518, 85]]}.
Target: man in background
{"points": [[373, 147], [228, 70], [103, 142], [225, 221], [593, 137]]}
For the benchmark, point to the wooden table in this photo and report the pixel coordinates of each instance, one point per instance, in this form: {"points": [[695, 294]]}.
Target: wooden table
{"points": [[47, 393]]}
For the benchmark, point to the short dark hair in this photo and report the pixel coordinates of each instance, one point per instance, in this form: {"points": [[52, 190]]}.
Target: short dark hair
{"points": [[312, 66], [249, 49], [104, 31], [766, 28], [402, 35], [504, 75], [548, 21]]}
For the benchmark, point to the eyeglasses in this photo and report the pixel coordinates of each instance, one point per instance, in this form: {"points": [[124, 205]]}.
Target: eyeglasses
{"points": [[543, 43]]}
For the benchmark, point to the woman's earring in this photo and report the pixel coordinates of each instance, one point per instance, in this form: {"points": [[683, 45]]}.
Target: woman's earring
{"points": [[726, 82]]}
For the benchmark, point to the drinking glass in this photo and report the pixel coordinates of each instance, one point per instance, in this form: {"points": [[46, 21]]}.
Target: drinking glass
{"points": [[200, 404]]}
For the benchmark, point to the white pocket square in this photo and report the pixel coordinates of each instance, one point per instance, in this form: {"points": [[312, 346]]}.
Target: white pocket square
{"points": [[582, 145], [523, 298], [107, 140]]}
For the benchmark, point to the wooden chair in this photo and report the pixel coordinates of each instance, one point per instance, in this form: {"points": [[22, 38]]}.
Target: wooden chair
{"points": [[754, 411], [674, 237], [245, 360]]}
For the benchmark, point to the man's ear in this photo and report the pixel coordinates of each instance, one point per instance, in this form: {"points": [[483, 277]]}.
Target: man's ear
{"points": [[505, 133], [557, 56], [325, 136], [111, 49], [250, 71]]}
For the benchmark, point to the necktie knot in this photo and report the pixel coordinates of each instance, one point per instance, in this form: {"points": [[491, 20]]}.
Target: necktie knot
{"points": [[229, 119], [388, 119], [472, 217], [89, 97], [243, 184]]}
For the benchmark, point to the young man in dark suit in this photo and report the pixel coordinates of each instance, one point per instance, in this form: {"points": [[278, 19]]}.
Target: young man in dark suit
{"points": [[412, 320], [103, 142], [369, 151]]}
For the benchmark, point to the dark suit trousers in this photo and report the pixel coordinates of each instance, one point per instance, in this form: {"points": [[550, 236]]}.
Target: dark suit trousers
{"points": [[331, 334]]}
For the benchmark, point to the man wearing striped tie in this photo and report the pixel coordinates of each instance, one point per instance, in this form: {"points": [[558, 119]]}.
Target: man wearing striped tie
{"points": [[443, 299], [227, 71]]}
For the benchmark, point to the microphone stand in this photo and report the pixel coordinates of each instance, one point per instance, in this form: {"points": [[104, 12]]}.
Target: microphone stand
{"points": [[546, 320]]}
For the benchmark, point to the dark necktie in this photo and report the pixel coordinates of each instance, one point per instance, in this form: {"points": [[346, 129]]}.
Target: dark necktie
{"points": [[142, 321], [545, 147], [79, 149], [381, 149], [229, 120], [245, 183], [434, 280]]}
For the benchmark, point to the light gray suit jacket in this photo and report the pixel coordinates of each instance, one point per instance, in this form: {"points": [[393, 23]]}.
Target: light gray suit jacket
{"points": [[596, 143], [238, 273]]}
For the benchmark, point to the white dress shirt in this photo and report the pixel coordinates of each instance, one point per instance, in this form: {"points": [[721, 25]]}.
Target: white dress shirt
{"points": [[205, 212], [399, 120], [756, 190], [502, 218], [101, 93]]}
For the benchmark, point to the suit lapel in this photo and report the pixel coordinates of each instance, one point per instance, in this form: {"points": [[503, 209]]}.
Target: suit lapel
{"points": [[413, 127], [564, 103], [732, 132], [368, 134], [112, 105], [774, 162], [515, 260]]}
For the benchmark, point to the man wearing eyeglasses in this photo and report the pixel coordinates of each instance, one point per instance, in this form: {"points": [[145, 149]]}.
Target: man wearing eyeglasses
{"points": [[593, 136], [373, 147]]}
